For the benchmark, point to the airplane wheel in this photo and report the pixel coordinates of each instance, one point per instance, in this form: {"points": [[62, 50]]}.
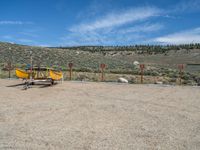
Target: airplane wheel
{"points": [[52, 82], [25, 86]]}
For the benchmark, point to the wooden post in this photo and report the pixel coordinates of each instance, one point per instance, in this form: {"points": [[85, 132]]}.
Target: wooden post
{"points": [[31, 69], [102, 66], [181, 67], [142, 72], [70, 70], [8, 68], [9, 62]]}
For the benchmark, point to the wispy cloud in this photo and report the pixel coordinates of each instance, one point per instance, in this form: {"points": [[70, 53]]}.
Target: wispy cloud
{"points": [[134, 25], [184, 37], [46, 45], [30, 34], [7, 22], [96, 8], [7, 37], [26, 41], [104, 40], [114, 37], [114, 28], [187, 6], [115, 19], [142, 28], [11, 38]]}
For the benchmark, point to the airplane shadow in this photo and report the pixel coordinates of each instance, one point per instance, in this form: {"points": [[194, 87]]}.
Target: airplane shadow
{"points": [[36, 85], [16, 85]]}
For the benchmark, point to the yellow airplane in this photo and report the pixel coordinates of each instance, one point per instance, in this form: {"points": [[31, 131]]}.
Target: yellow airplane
{"points": [[39, 74]]}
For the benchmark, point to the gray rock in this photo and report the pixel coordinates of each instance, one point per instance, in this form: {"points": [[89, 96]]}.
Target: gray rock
{"points": [[122, 80]]}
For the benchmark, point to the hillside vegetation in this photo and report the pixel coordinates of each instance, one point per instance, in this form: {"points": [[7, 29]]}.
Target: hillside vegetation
{"points": [[159, 60]]}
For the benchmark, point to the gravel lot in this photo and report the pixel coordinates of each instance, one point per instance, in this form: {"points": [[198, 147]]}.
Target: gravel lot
{"points": [[81, 115]]}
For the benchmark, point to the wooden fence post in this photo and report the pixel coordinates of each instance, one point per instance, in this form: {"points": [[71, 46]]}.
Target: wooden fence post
{"points": [[181, 67], [142, 72], [102, 66], [70, 70]]}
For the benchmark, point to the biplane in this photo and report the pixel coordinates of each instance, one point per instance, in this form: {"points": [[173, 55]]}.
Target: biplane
{"points": [[38, 74]]}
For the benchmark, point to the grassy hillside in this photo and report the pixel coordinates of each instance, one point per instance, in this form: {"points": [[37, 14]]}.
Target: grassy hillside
{"points": [[90, 57], [159, 60]]}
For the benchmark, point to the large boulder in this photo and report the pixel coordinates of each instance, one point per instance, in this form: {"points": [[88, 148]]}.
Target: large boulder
{"points": [[158, 82], [136, 63], [122, 80]]}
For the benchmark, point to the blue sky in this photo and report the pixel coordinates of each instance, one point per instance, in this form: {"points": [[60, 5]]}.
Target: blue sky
{"points": [[99, 22]]}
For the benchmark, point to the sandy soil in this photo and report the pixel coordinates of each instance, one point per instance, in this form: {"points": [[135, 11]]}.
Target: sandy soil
{"points": [[76, 115]]}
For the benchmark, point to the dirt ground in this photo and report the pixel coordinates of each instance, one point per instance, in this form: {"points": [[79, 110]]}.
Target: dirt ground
{"points": [[83, 115]]}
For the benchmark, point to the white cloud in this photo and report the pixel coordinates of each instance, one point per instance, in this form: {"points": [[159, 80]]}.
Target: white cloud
{"points": [[96, 38], [114, 28], [11, 22], [187, 6], [142, 28], [8, 37], [96, 8], [45, 45], [26, 41], [184, 37], [115, 19], [7, 22], [29, 34], [115, 36]]}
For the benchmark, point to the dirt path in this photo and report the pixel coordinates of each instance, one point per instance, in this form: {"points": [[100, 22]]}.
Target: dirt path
{"points": [[76, 115]]}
